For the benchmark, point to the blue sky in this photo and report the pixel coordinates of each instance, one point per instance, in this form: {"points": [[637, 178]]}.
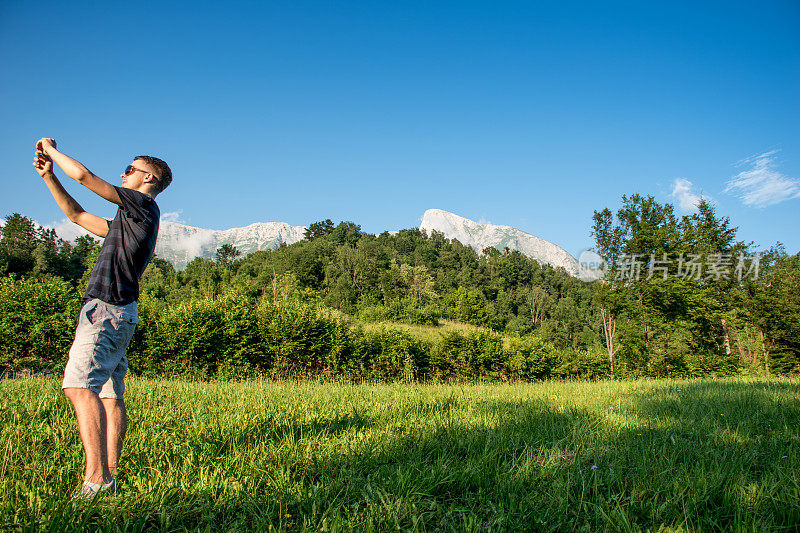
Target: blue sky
{"points": [[529, 114]]}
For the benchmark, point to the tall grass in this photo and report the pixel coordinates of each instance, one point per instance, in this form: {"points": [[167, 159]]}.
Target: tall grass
{"points": [[431, 334], [696, 455]]}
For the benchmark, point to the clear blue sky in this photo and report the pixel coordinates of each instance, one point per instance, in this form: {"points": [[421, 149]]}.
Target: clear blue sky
{"points": [[530, 114]]}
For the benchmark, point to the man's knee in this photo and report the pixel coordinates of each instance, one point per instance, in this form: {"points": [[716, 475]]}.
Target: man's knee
{"points": [[113, 404], [77, 395]]}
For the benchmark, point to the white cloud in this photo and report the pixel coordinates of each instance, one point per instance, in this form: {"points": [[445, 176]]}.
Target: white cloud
{"points": [[762, 184], [193, 245], [172, 216], [183, 240], [67, 230], [686, 198]]}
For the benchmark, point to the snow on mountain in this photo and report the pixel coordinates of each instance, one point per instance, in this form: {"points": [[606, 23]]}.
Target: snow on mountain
{"points": [[179, 243], [480, 236]]}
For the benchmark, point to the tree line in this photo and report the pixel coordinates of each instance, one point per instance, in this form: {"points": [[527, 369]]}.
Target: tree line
{"points": [[646, 317]]}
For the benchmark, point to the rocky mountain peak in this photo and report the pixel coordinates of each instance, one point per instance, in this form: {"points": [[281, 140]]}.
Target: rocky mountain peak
{"points": [[481, 236], [179, 243]]}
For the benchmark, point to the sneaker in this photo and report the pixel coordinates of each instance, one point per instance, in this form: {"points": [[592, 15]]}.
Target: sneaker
{"points": [[89, 490], [110, 488]]}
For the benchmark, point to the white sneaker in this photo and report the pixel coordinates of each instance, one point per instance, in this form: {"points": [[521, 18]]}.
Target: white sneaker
{"points": [[89, 490]]}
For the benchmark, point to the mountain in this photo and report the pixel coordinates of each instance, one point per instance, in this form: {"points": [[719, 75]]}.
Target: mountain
{"points": [[480, 236], [179, 243]]}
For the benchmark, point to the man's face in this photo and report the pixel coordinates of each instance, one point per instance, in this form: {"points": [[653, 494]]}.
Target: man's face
{"points": [[134, 175]]}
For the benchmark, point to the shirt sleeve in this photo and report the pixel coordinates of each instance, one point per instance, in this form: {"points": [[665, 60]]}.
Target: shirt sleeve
{"points": [[135, 205]]}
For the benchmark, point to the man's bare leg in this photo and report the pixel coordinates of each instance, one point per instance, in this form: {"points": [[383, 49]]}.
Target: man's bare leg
{"points": [[92, 426], [116, 425]]}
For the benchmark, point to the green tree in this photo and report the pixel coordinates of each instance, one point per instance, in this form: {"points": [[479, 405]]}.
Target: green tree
{"points": [[346, 233], [227, 254], [47, 259], [17, 244], [203, 277], [773, 304], [318, 229], [670, 282]]}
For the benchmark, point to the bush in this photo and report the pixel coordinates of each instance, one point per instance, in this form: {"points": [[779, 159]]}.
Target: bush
{"points": [[233, 337], [302, 340], [37, 322], [700, 364], [373, 313], [581, 364], [243, 347], [466, 305], [389, 354], [183, 338], [785, 360], [519, 325], [468, 356], [530, 358]]}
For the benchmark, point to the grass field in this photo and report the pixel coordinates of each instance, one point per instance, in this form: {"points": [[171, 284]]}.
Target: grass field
{"points": [[671, 455]]}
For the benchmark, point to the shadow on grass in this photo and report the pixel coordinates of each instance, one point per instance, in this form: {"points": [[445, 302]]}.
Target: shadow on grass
{"points": [[703, 456]]}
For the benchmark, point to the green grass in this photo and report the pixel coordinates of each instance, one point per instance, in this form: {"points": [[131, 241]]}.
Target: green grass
{"points": [[697, 455], [432, 334]]}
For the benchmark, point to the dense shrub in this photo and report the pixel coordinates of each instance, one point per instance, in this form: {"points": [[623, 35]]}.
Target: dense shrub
{"points": [[704, 364], [466, 305], [301, 339], [186, 337], [373, 313], [468, 356], [519, 325], [389, 354], [581, 364], [233, 336], [530, 358], [37, 322], [243, 347]]}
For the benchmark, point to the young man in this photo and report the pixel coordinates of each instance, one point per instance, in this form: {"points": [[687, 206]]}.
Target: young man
{"points": [[93, 378]]}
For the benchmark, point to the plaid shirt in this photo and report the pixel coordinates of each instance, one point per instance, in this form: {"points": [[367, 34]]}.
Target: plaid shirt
{"points": [[127, 249]]}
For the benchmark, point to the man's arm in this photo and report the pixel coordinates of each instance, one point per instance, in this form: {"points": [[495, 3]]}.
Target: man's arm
{"points": [[75, 170], [71, 208]]}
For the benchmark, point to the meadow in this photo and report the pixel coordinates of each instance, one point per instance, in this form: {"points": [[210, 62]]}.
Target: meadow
{"points": [[670, 455]]}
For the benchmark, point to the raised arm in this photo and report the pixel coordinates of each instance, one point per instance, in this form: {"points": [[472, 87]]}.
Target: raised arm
{"points": [[75, 170], [71, 208]]}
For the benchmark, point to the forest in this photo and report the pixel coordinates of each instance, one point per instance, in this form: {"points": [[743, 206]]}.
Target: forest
{"points": [[681, 296]]}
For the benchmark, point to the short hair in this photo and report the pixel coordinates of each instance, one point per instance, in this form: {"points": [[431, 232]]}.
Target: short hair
{"points": [[164, 173]]}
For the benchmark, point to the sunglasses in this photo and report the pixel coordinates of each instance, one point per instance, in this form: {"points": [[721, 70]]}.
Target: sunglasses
{"points": [[130, 169]]}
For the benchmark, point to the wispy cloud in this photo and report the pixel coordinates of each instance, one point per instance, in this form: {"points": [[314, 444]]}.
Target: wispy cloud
{"points": [[68, 230], [683, 194], [762, 185], [185, 243], [188, 241], [192, 245], [173, 216]]}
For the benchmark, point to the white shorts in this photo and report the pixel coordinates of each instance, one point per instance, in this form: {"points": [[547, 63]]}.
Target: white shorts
{"points": [[97, 358]]}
